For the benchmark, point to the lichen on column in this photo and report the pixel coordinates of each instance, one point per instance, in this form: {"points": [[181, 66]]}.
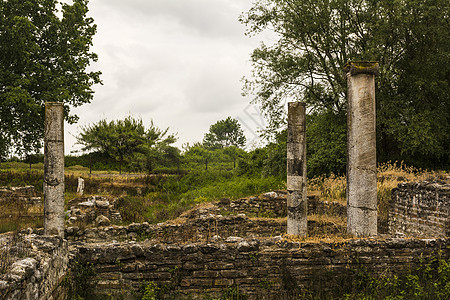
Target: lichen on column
{"points": [[296, 170], [54, 169], [361, 145]]}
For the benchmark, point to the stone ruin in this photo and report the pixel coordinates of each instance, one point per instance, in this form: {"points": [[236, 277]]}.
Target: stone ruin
{"points": [[226, 244], [25, 195], [233, 244], [93, 210]]}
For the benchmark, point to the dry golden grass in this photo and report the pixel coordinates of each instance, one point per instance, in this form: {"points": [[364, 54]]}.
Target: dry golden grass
{"points": [[332, 188], [330, 238], [337, 220], [389, 175]]}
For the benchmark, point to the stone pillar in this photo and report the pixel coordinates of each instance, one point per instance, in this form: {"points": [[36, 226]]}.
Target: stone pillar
{"points": [[361, 145], [296, 169], [80, 188], [54, 169]]}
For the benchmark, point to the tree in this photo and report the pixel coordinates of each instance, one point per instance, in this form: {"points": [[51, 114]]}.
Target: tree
{"points": [[197, 153], [44, 57], [326, 136], [124, 139], [409, 38], [157, 149], [233, 152], [224, 133]]}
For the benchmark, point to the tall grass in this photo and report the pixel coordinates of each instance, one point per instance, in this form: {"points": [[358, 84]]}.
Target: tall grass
{"points": [[389, 175], [179, 193]]}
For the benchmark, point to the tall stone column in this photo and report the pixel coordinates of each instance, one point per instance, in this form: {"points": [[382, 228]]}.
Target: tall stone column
{"points": [[361, 143], [296, 169], [54, 169]]}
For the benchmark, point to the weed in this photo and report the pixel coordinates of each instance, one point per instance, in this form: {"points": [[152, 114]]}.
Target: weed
{"points": [[266, 284], [233, 293], [150, 291], [80, 280], [254, 257], [119, 263]]}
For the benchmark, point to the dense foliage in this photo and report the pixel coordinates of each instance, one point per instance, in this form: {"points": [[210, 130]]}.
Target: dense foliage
{"points": [[225, 133], [175, 194], [316, 38], [44, 57], [128, 139]]}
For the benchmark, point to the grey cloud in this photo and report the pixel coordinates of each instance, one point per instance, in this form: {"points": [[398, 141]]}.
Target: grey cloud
{"points": [[176, 62], [210, 18]]}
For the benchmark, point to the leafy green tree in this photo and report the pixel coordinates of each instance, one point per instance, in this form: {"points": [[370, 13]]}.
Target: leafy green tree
{"points": [[233, 153], [157, 149], [316, 38], [197, 153], [225, 133], [267, 161], [326, 136], [123, 139], [44, 57]]}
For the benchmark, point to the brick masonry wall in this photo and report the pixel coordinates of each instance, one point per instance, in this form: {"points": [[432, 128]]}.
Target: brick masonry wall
{"points": [[203, 229], [38, 276], [273, 205], [260, 269], [420, 209], [25, 195]]}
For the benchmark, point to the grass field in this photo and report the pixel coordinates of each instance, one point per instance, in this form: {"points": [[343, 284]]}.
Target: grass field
{"points": [[160, 197]]}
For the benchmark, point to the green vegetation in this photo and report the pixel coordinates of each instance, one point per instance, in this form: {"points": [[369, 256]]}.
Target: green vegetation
{"points": [[80, 281], [159, 197], [176, 194], [225, 133], [316, 38], [128, 140], [45, 55], [429, 280]]}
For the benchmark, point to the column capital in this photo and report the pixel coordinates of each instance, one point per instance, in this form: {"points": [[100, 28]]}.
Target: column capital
{"points": [[54, 104], [361, 67]]}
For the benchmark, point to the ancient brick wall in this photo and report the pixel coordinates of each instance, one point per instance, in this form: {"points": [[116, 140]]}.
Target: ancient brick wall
{"points": [[204, 229], [39, 274], [25, 195], [259, 269], [420, 209], [274, 205]]}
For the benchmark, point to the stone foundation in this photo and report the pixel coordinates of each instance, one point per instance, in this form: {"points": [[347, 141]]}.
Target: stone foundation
{"points": [[420, 209], [215, 249], [259, 269], [274, 205], [40, 273], [25, 195]]}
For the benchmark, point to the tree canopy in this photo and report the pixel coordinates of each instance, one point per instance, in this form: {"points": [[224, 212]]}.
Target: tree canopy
{"points": [[44, 57], [316, 38], [129, 139], [224, 133]]}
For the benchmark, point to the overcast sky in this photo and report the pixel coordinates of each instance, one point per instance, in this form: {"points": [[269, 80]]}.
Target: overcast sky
{"points": [[176, 62]]}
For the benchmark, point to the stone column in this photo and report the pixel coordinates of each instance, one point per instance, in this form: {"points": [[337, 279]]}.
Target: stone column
{"points": [[296, 169], [361, 144], [54, 169], [80, 188]]}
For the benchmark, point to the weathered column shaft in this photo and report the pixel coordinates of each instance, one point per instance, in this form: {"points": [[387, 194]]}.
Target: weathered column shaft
{"points": [[54, 169], [296, 169], [361, 143]]}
